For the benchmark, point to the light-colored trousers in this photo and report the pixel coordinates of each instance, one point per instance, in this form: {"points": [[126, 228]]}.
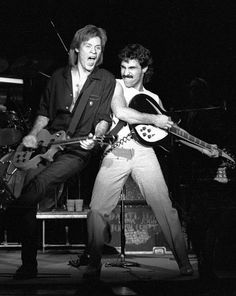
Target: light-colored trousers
{"points": [[141, 162]]}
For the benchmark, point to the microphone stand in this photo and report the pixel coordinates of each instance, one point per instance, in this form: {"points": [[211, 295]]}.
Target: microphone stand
{"points": [[63, 44], [58, 35], [224, 107], [122, 263]]}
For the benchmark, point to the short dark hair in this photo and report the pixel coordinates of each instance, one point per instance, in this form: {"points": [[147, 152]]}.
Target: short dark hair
{"points": [[143, 55], [85, 34]]}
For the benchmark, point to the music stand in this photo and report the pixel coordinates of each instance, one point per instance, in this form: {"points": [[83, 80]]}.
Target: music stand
{"points": [[122, 262]]}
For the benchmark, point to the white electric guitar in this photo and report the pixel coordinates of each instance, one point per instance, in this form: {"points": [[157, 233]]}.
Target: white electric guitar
{"points": [[150, 135]]}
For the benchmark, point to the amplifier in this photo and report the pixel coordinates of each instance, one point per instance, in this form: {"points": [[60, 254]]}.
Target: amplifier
{"points": [[142, 231]]}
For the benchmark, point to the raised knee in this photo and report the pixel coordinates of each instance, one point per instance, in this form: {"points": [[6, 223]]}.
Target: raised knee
{"points": [[94, 213]]}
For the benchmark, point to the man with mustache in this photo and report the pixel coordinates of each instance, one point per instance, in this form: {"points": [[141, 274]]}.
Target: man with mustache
{"points": [[129, 157], [65, 90]]}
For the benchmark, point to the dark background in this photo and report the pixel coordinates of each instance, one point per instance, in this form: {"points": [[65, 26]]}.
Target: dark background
{"points": [[188, 38]]}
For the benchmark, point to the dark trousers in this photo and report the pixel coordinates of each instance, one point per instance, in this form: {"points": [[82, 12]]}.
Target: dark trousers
{"points": [[21, 214]]}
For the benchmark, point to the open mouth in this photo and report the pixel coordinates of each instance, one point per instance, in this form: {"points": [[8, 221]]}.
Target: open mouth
{"points": [[91, 60]]}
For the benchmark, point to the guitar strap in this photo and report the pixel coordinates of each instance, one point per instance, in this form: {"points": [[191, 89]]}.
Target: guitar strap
{"points": [[95, 92], [117, 128]]}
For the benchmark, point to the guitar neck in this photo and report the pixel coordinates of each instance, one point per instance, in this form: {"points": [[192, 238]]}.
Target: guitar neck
{"points": [[104, 140], [177, 131], [69, 141]]}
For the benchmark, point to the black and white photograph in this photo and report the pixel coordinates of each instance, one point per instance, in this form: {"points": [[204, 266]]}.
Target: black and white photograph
{"points": [[117, 147]]}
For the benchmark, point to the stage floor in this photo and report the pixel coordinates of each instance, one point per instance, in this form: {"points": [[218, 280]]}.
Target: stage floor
{"points": [[155, 275]]}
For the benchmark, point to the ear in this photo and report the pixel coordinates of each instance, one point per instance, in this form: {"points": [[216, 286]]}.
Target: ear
{"points": [[145, 70]]}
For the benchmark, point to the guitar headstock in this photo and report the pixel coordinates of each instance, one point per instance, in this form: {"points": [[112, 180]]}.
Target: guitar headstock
{"points": [[229, 160], [226, 163]]}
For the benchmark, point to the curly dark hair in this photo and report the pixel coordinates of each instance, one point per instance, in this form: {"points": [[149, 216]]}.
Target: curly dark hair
{"points": [[143, 55]]}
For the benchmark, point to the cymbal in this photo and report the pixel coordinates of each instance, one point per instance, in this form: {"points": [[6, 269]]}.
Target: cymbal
{"points": [[2, 108], [30, 66], [3, 64]]}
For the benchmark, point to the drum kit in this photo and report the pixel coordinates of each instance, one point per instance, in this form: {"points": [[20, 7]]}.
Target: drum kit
{"points": [[14, 125], [15, 115], [15, 121], [12, 130]]}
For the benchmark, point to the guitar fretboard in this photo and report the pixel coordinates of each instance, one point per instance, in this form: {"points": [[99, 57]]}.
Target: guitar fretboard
{"points": [[67, 142], [185, 135], [107, 139]]}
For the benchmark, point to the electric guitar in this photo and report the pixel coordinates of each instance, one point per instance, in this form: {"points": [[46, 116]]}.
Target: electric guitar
{"points": [[150, 135], [48, 144]]}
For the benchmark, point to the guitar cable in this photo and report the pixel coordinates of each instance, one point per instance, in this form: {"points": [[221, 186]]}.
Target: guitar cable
{"points": [[117, 144]]}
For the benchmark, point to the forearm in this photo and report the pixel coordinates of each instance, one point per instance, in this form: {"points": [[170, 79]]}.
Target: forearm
{"points": [[40, 123], [211, 153], [135, 117], [101, 128], [129, 115], [132, 116]]}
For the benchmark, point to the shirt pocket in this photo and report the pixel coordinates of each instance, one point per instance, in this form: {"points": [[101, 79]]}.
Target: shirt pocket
{"points": [[94, 101]]}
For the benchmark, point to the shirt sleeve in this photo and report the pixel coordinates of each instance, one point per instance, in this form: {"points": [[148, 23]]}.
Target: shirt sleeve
{"points": [[44, 101], [105, 112]]}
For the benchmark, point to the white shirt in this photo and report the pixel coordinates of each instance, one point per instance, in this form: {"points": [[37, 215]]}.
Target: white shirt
{"points": [[75, 87], [129, 93]]}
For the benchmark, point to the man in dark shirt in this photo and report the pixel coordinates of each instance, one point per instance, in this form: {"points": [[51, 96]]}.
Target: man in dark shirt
{"points": [[65, 89], [68, 87]]}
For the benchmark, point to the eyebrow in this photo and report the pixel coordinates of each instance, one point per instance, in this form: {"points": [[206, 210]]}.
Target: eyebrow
{"points": [[129, 67], [87, 42]]}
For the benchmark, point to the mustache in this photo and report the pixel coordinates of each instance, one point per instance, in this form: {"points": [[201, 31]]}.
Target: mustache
{"points": [[127, 76]]}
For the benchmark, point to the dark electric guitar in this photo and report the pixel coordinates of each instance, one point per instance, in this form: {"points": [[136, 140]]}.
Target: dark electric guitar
{"points": [[48, 144], [150, 135]]}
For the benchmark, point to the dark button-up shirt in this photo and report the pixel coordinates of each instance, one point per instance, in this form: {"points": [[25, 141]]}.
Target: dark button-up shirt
{"points": [[58, 95]]}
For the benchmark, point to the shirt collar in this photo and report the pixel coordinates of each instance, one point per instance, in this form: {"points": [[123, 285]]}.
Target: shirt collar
{"points": [[94, 75]]}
